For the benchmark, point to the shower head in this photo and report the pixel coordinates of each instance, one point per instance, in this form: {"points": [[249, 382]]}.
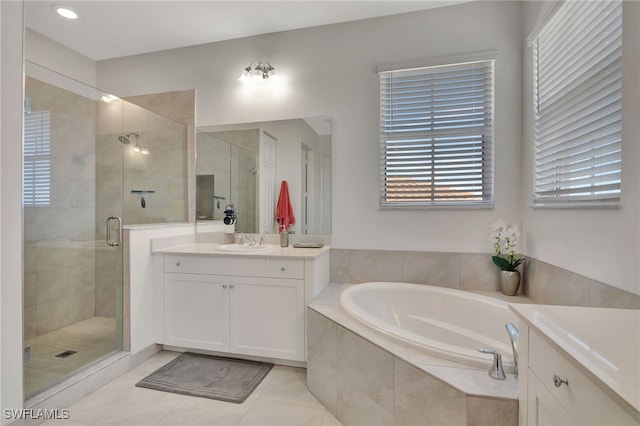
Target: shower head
{"points": [[124, 139]]}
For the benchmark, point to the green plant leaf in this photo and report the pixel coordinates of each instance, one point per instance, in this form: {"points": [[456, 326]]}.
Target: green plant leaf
{"points": [[501, 263], [505, 264]]}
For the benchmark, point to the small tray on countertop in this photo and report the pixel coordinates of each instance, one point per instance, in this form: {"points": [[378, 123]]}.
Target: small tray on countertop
{"points": [[308, 245]]}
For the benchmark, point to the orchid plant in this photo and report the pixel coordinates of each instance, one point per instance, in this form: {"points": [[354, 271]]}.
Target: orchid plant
{"points": [[504, 237]]}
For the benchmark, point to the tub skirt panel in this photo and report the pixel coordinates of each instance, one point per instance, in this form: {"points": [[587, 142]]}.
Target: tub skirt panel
{"points": [[361, 383]]}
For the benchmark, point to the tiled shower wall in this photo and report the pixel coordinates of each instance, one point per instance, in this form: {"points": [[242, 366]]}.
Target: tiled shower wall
{"points": [[542, 282], [59, 259], [180, 106], [164, 171]]}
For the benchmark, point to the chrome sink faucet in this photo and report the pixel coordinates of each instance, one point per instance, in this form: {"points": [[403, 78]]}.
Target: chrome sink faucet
{"points": [[252, 241]]}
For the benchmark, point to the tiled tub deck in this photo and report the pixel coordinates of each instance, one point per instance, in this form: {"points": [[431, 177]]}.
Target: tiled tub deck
{"points": [[364, 378]]}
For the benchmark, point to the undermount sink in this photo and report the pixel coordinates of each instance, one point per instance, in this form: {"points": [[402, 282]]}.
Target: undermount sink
{"points": [[245, 248]]}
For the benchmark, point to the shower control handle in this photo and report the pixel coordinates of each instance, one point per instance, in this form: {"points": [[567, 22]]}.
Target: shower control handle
{"points": [[118, 221], [496, 371]]}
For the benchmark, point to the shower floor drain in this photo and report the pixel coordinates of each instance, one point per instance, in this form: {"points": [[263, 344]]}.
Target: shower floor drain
{"points": [[65, 354]]}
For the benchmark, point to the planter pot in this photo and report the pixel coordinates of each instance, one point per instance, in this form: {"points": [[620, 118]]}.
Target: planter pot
{"points": [[509, 282]]}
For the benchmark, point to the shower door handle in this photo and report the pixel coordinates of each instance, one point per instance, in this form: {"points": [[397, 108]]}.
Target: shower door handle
{"points": [[110, 242]]}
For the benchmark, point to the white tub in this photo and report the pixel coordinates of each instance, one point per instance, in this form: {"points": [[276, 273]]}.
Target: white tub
{"points": [[446, 323]]}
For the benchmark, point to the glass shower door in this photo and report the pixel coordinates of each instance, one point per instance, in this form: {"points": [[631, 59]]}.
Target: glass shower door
{"points": [[72, 276]]}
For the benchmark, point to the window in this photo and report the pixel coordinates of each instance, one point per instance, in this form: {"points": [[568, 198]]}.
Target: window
{"points": [[436, 136], [37, 159], [577, 94]]}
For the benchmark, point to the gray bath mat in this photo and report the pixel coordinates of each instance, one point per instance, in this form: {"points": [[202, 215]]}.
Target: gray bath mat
{"points": [[206, 376]]}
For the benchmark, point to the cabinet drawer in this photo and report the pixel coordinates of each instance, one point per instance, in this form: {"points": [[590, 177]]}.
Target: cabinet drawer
{"points": [[176, 263], [285, 268], [229, 265], [581, 397]]}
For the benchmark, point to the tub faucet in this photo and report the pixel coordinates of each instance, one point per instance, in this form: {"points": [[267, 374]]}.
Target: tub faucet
{"points": [[514, 336], [496, 371]]}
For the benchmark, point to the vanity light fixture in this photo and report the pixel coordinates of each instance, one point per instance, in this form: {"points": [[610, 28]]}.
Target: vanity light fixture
{"points": [[258, 71], [64, 11]]}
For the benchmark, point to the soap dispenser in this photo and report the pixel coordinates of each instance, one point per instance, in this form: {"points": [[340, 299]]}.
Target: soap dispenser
{"points": [[284, 238]]}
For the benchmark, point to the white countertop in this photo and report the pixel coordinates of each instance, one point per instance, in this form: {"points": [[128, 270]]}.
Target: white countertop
{"points": [[604, 343], [210, 249]]}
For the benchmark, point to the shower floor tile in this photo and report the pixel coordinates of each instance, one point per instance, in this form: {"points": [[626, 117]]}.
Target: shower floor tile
{"points": [[91, 339]]}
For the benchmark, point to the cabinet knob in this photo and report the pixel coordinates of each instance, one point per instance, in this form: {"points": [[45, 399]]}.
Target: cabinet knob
{"points": [[224, 286], [178, 263], [557, 381], [282, 268], [231, 286]]}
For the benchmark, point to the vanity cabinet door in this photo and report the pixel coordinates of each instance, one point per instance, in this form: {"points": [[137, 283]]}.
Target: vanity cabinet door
{"points": [[267, 317], [196, 311], [542, 408]]}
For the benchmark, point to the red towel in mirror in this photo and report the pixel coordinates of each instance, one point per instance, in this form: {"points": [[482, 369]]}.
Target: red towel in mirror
{"points": [[284, 210]]}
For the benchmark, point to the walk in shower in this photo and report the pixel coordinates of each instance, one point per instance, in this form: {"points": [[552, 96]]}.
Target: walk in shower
{"points": [[91, 163]]}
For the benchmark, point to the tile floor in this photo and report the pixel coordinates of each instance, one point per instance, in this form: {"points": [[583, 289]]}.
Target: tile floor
{"points": [[281, 399], [92, 339]]}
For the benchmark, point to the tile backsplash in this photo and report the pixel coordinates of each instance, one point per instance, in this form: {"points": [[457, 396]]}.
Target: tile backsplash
{"points": [[542, 282]]}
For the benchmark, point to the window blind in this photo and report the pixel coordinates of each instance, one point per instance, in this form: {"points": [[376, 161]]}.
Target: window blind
{"points": [[578, 96], [436, 136], [37, 159]]}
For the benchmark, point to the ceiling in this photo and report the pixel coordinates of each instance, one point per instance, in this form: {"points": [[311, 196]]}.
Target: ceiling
{"points": [[116, 28]]}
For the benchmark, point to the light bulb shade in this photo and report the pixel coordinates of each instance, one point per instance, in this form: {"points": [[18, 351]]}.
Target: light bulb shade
{"points": [[137, 148], [246, 73], [144, 151]]}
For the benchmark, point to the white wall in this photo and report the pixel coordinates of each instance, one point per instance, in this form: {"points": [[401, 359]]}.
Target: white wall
{"points": [[331, 70], [11, 36], [52, 55], [603, 244]]}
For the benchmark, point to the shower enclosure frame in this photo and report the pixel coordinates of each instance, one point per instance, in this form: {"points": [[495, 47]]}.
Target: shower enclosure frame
{"points": [[97, 149]]}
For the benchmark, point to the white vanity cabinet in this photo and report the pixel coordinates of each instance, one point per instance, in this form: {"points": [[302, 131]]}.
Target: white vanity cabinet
{"points": [[196, 311], [560, 394], [267, 317], [556, 389], [239, 305]]}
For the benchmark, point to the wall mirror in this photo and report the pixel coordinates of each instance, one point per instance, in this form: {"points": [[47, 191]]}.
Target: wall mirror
{"points": [[244, 165]]}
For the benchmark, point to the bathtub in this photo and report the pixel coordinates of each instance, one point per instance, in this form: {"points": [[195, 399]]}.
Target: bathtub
{"points": [[446, 323]]}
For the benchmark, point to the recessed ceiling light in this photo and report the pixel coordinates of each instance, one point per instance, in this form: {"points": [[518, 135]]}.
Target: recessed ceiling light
{"points": [[65, 11], [107, 97]]}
